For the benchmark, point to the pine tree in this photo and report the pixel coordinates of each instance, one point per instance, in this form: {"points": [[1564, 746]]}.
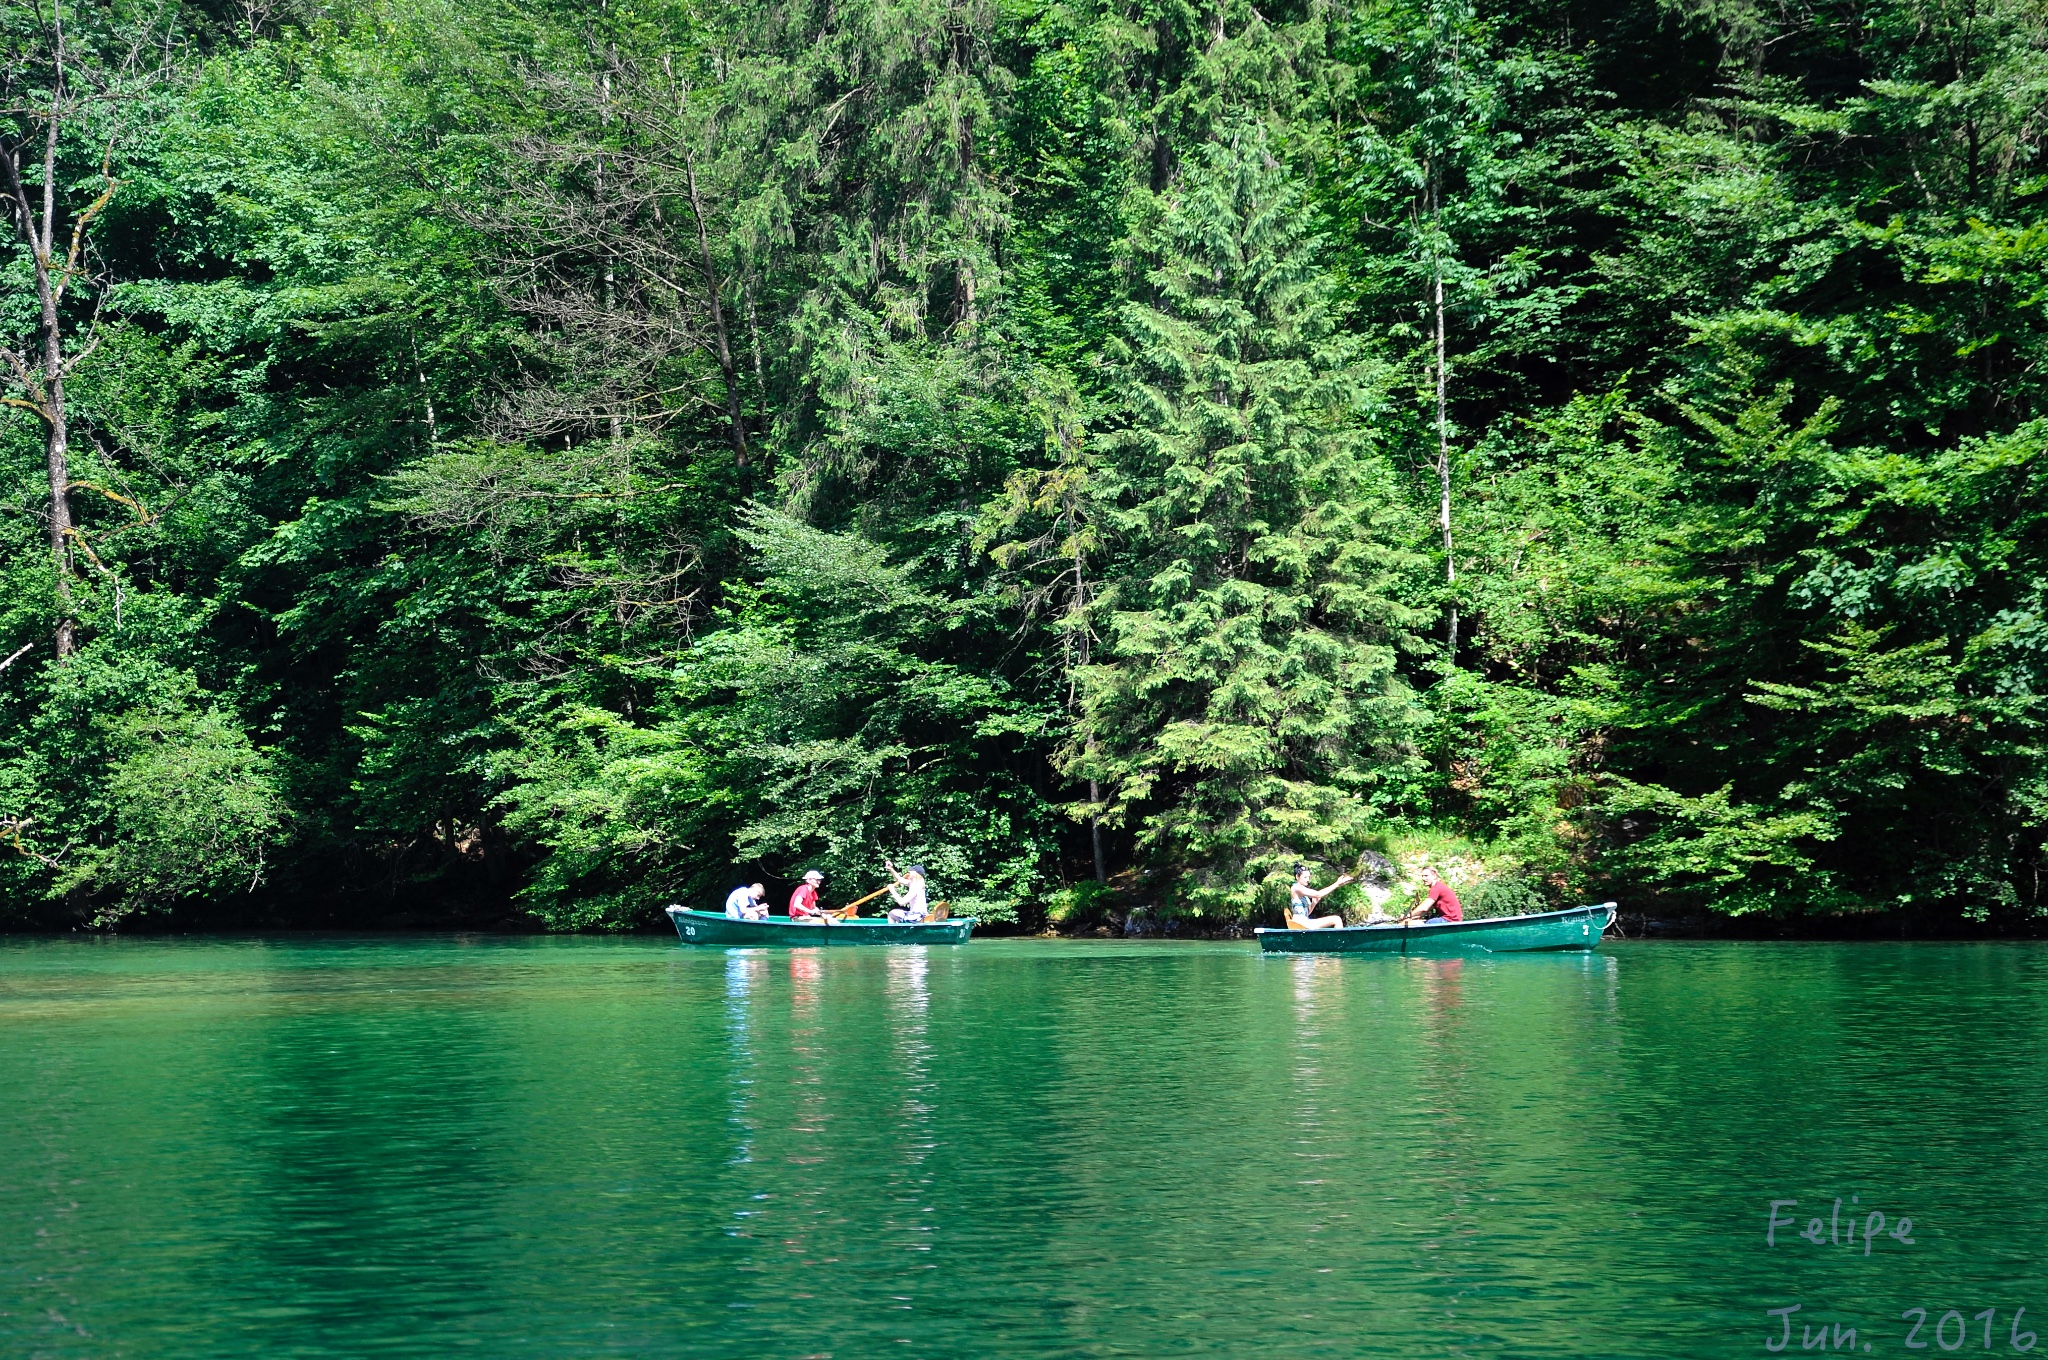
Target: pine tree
{"points": [[1247, 682]]}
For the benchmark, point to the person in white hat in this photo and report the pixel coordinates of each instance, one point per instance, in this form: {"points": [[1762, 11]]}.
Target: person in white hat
{"points": [[803, 903]]}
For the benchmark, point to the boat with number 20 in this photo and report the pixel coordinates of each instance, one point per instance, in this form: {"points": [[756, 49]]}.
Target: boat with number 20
{"points": [[716, 928]]}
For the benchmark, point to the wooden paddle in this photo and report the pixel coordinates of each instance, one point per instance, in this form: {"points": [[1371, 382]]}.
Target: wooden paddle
{"points": [[852, 909]]}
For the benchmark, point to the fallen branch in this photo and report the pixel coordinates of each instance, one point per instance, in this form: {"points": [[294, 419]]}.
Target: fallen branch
{"points": [[17, 656]]}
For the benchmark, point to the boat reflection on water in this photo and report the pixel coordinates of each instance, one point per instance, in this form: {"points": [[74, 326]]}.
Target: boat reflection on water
{"points": [[804, 972], [744, 973], [743, 969], [910, 994], [1318, 1029], [914, 1211], [1440, 978], [810, 1061], [910, 1001], [1314, 974]]}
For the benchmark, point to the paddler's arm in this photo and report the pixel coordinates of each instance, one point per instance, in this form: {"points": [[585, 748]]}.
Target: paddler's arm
{"points": [[1316, 895]]}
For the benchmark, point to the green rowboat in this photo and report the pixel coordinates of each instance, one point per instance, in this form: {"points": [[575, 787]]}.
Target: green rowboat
{"points": [[716, 928], [1576, 928]]}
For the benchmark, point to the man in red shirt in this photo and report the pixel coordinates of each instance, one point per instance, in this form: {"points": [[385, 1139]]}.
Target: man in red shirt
{"points": [[803, 903], [1441, 901]]}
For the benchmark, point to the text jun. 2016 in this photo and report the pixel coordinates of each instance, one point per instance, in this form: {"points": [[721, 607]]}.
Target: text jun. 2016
{"points": [[1949, 1332]]}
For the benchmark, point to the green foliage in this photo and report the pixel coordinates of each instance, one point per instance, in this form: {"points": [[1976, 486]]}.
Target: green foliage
{"points": [[135, 789], [595, 454], [1504, 896], [195, 813]]}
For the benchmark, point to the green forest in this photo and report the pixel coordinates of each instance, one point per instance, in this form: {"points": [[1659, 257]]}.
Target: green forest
{"points": [[554, 458]]}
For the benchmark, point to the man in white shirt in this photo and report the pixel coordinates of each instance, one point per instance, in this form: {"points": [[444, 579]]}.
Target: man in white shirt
{"points": [[747, 904]]}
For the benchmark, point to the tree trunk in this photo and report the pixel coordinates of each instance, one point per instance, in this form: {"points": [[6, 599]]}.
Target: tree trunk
{"points": [[1443, 470], [1077, 604], [57, 438], [45, 396], [58, 448], [614, 420], [1095, 829], [713, 289], [419, 373], [760, 367]]}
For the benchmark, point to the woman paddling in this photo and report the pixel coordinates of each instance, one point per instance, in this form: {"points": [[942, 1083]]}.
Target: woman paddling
{"points": [[908, 893], [1302, 900]]}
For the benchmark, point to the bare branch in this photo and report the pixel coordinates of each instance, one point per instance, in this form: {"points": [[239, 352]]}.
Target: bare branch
{"points": [[92, 327], [12, 827], [78, 227], [27, 378], [137, 506]]}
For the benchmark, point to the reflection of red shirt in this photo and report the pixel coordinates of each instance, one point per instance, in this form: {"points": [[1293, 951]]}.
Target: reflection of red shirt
{"points": [[804, 901], [1446, 901]]}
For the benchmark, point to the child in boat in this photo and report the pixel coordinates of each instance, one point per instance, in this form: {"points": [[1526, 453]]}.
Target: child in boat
{"points": [[749, 903], [1302, 901], [908, 893]]}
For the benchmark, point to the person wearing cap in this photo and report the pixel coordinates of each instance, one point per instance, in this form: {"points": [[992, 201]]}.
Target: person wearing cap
{"points": [[1302, 901], [749, 903], [803, 903], [908, 893]]}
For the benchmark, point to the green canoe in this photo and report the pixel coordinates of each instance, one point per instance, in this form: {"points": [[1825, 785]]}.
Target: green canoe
{"points": [[715, 927], [1577, 928]]}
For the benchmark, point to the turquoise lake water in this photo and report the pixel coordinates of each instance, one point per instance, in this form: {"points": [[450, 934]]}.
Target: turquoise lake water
{"points": [[525, 1148]]}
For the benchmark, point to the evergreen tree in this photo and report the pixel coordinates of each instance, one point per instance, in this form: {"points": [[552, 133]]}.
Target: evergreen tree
{"points": [[1247, 687]]}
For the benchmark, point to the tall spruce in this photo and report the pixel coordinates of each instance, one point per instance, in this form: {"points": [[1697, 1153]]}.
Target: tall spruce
{"points": [[1246, 688]]}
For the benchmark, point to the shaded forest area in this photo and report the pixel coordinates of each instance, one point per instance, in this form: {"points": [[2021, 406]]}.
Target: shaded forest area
{"points": [[470, 457]]}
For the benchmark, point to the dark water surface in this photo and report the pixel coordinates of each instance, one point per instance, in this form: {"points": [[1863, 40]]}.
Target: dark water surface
{"points": [[1014, 1149]]}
